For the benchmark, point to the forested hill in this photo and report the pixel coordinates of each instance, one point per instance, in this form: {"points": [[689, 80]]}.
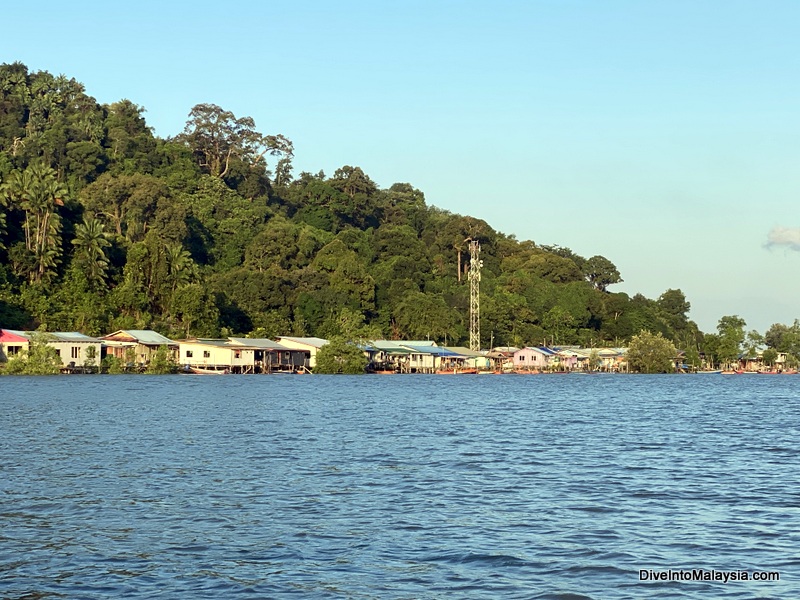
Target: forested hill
{"points": [[104, 226]]}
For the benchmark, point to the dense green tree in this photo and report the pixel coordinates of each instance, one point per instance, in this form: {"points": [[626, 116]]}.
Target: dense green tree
{"points": [[422, 316], [348, 282], [673, 308], [769, 356], [340, 356], [601, 272], [753, 343], [131, 146], [731, 338], [784, 338], [559, 324], [195, 235], [351, 325], [195, 311], [651, 353], [126, 203], [162, 362], [218, 138]]}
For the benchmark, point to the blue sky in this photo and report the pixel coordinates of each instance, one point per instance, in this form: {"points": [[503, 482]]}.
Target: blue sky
{"points": [[663, 135]]}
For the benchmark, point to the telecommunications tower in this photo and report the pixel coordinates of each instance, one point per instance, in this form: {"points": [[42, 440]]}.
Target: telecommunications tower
{"points": [[474, 276]]}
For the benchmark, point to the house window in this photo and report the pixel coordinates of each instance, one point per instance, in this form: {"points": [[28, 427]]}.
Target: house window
{"points": [[58, 352], [13, 350], [237, 354], [206, 354], [189, 354], [75, 352]]}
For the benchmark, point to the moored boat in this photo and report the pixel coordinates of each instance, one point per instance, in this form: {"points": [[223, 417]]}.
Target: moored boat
{"points": [[200, 371]]}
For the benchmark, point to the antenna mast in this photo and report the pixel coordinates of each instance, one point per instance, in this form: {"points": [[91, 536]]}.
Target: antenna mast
{"points": [[474, 276]]}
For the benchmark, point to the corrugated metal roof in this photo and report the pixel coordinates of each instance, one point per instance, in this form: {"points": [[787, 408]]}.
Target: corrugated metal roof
{"points": [[72, 336], [540, 349], [386, 345], [433, 350], [256, 343], [215, 343], [25, 335], [461, 350], [148, 337], [308, 341]]}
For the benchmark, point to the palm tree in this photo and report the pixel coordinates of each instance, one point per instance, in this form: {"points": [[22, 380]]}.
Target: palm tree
{"points": [[42, 197], [180, 266], [37, 192], [90, 239], [3, 206]]}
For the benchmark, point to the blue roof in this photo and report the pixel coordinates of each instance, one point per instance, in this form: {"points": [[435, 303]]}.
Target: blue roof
{"points": [[544, 350], [434, 350]]}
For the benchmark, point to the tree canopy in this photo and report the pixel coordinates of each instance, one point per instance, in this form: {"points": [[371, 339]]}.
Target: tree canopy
{"points": [[651, 353], [105, 226]]}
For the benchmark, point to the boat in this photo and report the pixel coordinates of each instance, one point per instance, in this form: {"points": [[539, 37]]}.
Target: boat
{"points": [[200, 371], [717, 372]]}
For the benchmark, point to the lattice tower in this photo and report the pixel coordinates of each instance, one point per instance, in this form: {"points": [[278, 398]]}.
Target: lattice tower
{"points": [[474, 276]]}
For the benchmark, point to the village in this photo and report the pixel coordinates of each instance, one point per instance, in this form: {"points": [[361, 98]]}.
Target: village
{"points": [[135, 349]]}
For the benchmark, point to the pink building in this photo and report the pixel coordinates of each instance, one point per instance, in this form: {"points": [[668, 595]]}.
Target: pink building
{"points": [[533, 358]]}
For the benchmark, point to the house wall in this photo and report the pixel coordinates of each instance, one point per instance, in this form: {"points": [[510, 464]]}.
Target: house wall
{"points": [[422, 361], [75, 352], [568, 361], [200, 355], [145, 353], [294, 358], [10, 349], [530, 357], [310, 357]]}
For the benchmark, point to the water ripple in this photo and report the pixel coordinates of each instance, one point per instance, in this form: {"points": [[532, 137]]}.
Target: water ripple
{"points": [[408, 487]]}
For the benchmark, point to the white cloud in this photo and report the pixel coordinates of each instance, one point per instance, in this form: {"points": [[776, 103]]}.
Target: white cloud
{"points": [[784, 236]]}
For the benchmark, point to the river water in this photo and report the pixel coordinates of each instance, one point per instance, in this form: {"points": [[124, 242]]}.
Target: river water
{"points": [[548, 486]]}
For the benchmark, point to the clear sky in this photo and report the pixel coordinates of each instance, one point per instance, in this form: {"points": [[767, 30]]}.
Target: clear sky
{"points": [[661, 134]]}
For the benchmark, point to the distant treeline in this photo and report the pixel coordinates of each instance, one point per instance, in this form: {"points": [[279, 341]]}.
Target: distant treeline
{"points": [[105, 226]]}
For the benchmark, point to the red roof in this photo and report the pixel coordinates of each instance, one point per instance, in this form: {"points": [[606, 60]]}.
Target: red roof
{"points": [[7, 336]]}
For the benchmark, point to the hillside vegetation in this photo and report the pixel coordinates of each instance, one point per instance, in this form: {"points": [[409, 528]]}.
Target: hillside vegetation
{"points": [[105, 226]]}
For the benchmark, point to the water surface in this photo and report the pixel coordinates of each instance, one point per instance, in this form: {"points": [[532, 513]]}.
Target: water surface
{"points": [[397, 486]]}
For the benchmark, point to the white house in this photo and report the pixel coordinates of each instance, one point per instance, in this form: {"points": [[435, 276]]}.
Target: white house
{"points": [[309, 345], [74, 348]]}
